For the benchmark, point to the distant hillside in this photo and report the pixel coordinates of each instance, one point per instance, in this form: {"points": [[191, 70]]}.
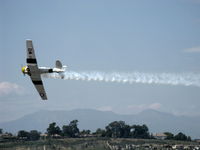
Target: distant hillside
{"points": [[93, 119]]}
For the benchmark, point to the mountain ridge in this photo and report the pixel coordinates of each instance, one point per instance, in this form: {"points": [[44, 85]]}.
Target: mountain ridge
{"points": [[92, 119]]}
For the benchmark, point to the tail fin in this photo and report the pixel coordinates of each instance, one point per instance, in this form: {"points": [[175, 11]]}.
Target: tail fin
{"points": [[58, 64]]}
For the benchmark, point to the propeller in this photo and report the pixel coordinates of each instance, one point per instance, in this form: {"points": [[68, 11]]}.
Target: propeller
{"points": [[21, 68]]}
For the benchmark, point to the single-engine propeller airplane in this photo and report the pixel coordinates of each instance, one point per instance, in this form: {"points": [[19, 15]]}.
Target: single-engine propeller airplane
{"points": [[35, 72]]}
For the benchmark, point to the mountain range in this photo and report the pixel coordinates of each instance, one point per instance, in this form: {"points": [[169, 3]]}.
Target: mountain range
{"points": [[92, 119]]}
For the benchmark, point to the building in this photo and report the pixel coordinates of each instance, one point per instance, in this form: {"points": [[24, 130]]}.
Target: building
{"points": [[160, 136]]}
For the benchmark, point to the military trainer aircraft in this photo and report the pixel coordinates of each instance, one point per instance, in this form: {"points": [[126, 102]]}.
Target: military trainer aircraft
{"points": [[35, 72]]}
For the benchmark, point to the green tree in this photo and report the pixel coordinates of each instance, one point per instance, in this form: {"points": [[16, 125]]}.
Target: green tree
{"points": [[85, 132], [22, 134], [138, 131], [100, 132], [71, 130], [189, 138], [34, 135], [181, 137], [53, 129], [118, 129], [1, 131], [170, 136]]}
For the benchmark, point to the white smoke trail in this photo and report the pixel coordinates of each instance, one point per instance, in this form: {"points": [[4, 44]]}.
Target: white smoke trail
{"points": [[186, 79]]}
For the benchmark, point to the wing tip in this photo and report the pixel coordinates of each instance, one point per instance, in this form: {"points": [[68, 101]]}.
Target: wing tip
{"points": [[44, 98]]}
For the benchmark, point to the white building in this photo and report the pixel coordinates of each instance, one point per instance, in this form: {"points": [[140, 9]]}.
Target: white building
{"points": [[160, 136]]}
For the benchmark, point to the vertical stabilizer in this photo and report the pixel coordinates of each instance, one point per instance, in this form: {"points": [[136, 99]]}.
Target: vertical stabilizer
{"points": [[58, 64]]}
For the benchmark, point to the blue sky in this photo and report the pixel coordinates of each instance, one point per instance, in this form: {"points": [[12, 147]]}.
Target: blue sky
{"points": [[123, 36]]}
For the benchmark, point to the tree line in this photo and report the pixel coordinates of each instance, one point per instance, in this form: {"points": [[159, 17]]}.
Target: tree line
{"points": [[115, 129], [180, 136]]}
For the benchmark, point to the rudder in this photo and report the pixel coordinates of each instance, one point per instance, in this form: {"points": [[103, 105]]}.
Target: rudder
{"points": [[58, 64]]}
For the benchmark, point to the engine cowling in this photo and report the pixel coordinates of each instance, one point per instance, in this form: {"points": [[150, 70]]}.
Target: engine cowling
{"points": [[25, 70]]}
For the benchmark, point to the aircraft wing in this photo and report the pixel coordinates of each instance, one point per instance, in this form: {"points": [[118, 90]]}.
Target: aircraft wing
{"points": [[34, 70], [31, 59], [37, 81]]}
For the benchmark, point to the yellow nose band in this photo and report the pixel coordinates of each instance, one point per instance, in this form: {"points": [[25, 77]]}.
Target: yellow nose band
{"points": [[23, 69]]}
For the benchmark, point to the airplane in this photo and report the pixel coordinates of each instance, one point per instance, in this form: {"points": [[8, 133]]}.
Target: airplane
{"points": [[35, 72]]}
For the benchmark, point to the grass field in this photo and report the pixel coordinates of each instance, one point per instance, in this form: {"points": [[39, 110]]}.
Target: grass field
{"points": [[90, 144]]}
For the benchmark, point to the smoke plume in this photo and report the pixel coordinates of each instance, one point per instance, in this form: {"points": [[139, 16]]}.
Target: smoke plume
{"points": [[186, 79]]}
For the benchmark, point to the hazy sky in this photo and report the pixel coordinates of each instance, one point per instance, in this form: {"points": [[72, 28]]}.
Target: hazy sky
{"points": [[115, 35]]}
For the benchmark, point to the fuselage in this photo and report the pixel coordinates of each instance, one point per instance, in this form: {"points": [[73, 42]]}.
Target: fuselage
{"points": [[42, 70]]}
